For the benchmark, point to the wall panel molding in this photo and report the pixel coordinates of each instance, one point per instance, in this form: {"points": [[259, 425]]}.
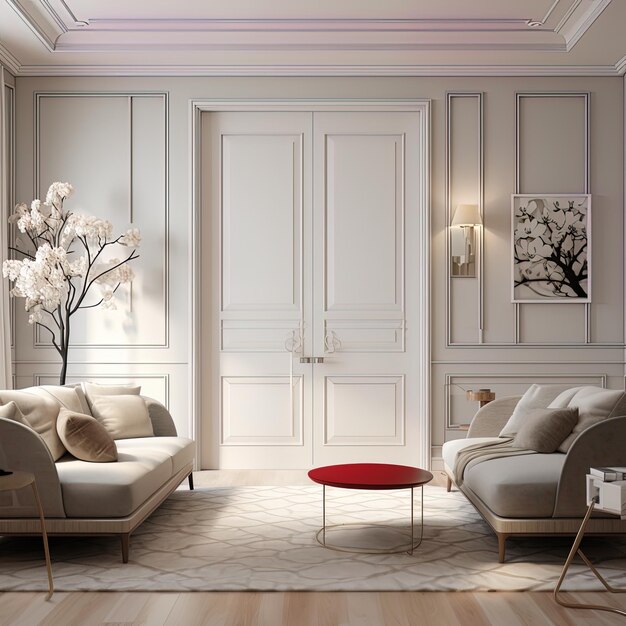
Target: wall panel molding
{"points": [[39, 341], [451, 195], [459, 380]]}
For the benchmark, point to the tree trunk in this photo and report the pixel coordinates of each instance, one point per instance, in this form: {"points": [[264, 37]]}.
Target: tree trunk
{"points": [[63, 367]]}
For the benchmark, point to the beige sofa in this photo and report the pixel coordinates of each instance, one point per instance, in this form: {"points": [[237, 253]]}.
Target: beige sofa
{"points": [[539, 494], [83, 498]]}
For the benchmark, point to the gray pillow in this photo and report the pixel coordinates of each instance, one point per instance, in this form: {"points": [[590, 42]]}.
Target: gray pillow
{"points": [[536, 397], [544, 430]]}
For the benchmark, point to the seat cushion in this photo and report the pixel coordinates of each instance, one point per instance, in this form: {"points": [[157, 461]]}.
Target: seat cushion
{"points": [[517, 486], [182, 451], [117, 489], [451, 448]]}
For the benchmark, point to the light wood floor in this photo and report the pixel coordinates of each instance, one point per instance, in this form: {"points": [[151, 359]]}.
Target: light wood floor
{"points": [[297, 608]]}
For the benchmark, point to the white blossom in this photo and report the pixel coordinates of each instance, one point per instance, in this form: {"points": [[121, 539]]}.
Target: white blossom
{"points": [[88, 226], [57, 192], [131, 238]]}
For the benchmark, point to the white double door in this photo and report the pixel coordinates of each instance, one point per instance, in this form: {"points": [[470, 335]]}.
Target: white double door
{"points": [[310, 288]]}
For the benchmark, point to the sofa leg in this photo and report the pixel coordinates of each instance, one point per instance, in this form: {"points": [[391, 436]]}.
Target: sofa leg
{"points": [[501, 547], [448, 484], [190, 478], [125, 538]]}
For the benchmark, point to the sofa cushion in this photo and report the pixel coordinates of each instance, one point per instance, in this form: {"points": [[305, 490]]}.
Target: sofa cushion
{"points": [[112, 489], [94, 390], [85, 438], [68, 397], [182, 451], [40, 413], [545, 429], [536, 397], [594, 404], [123, 416], [450, 449], [517, 486]]}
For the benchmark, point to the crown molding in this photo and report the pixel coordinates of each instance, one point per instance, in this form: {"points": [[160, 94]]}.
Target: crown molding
{"points": [[32, 24], [9, 61], [323, 70], [573, 26]]}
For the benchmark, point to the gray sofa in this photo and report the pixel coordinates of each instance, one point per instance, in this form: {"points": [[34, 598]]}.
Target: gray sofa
{"points": [[539, 494], [83, 498]]}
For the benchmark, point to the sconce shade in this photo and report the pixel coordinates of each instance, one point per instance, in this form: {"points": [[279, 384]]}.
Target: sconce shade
{"points": [[466, 215]]}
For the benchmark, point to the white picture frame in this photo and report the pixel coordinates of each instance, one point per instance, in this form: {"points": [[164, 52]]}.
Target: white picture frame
{"points": [[551, 248]]}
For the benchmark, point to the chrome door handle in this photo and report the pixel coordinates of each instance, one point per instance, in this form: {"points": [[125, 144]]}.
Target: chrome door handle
{"points": [[306, 359], [318, 359]]}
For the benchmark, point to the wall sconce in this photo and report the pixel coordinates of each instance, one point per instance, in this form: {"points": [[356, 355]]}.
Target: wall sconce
{"points": [[463, 251]]}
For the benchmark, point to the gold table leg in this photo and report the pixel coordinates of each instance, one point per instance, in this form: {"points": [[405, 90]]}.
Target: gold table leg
{"points": [[44, 536], [576, 550]]}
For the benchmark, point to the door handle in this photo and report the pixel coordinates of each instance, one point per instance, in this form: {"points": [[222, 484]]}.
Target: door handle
{"points": [[306, 359], [318, 359]]}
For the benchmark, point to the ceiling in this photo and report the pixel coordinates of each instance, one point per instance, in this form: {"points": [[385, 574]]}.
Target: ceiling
{"points": [[321, 37]]}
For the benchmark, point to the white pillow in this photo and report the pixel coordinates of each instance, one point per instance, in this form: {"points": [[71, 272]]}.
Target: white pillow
{"points": [[536, 397], [123, 416], [94, 390]]}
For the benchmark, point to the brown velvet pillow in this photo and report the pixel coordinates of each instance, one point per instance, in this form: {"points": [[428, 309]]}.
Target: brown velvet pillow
{"points": [[85, 438], [544, 430]]}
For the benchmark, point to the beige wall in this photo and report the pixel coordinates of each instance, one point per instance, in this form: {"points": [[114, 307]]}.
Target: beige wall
{"points": [[587, 342]]}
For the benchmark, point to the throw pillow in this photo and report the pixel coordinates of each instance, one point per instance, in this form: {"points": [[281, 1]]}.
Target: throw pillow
{"points": [[544, 430], [40, 414], [124, 416], [85, 438], [94, 390], [536, 397], [67, 397], [594, 404]]}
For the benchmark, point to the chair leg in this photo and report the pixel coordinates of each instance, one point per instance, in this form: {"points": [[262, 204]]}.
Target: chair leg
{"points": [[448, 484], [125, 538], [501, 547], [190, 478]]}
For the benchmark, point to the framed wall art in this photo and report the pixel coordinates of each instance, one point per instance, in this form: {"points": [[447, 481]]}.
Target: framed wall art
{"points": [[551, 245]]}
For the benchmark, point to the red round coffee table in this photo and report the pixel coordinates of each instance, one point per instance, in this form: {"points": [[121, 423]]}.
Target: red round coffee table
{"points": [[371, 476]]}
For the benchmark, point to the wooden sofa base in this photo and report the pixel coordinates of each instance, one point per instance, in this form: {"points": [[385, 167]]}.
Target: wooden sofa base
{"points": [[122, 526], [505, 527]]}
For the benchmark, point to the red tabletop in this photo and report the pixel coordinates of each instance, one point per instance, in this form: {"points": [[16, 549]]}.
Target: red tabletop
{"points": [[370, 476]]}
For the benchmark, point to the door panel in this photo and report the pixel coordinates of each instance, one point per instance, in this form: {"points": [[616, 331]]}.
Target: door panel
{"points": [[257, 192], [366, 208]]}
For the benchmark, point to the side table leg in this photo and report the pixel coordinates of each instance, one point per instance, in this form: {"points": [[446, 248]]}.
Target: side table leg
{"points": [[44, 536], [576, 550], [324, 515]]}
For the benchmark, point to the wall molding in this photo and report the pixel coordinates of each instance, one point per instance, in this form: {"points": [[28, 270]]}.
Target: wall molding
{"points": [[586, 96], [450, 96], [315, 70], [196, 108], [584, 378], [38, 342]]}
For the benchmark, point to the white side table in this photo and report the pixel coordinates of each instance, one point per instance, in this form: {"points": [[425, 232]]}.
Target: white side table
{"points": [[595, 497], [20, 480]]}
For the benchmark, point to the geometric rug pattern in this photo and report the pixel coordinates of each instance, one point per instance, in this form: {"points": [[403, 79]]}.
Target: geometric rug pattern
{"points": [[263, 538]]}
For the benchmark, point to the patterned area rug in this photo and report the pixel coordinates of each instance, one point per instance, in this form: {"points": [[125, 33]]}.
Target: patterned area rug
{"points": [[263, 538]]}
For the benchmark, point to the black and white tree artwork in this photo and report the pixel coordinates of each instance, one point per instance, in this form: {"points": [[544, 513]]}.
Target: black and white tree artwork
{"points": [[551, 248]]}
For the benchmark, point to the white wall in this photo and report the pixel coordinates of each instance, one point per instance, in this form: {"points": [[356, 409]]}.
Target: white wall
{"points": [[108, 138]]}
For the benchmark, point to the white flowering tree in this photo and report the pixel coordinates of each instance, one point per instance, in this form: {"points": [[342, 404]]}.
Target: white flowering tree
{"points": [[62, 266]]}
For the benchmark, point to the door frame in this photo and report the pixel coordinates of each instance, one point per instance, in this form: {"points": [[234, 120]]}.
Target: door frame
{"points": [[196, 107]]}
